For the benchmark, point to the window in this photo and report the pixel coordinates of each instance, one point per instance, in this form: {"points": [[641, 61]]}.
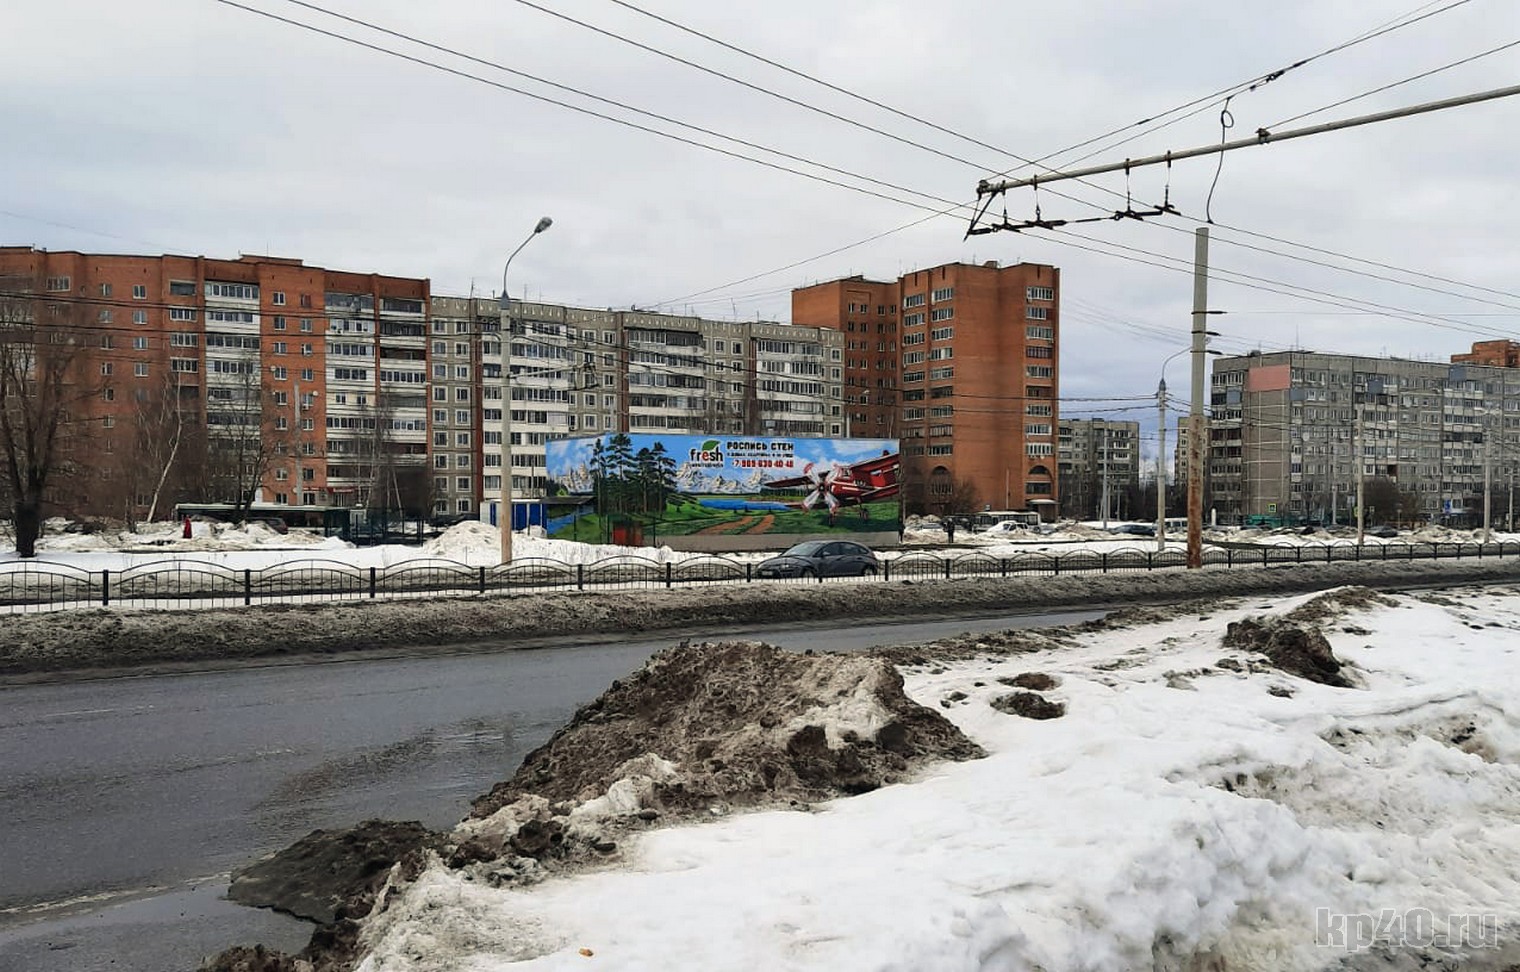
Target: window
{"points": [[139, 344], [1039, 449], [106, 367], [182, 313], [462, 439], [913, 300], [1037, 371], [462, 483], [939, 374], [942, 313], [461, 394], [1038, 352], [140, 369], [440, 462], [461, 417], [184, 366], [912, 320], [106, 343], [105, 290], [308, 474], [942, 333], [1037, 429], [139, 292], [440, 394], [109, 394], [941, 354], [139, 317], [1040, 293], [109, 422], [308, 425], [282, 399], [942, 293], [279, 347], [440, 371], [279, 323], [1037, 313], [306, 349], [281, 474], [308, 374], [232, 291], [279, 298], [1040, 332], [280, 372], [105, 316], [56, 284], [181, 288], [305, 325]]}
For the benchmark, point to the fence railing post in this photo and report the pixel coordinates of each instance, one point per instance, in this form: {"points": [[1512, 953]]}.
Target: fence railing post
{"points": [[669, 573], [105, 588], [482, 580], [372, 583], [749, 573], [947, 568], [1103, 561], [580, 577], [247, 586], [1002, 566]]}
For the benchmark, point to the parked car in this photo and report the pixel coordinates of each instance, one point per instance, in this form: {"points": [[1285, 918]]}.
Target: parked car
{"points": [[1383, 531], [1133, 529], [821, 558]]}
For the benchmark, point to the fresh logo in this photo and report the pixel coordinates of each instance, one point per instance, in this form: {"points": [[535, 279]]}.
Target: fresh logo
{"points": [[709, 454]]}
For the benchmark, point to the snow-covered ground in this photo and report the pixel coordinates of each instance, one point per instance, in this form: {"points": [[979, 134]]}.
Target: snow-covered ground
{"points": [[475, 544], [1178, 813]]}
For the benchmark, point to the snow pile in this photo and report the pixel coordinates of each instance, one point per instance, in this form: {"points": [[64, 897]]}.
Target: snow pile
{"points": [[479, 544], [60, 536], [1193, 808]]}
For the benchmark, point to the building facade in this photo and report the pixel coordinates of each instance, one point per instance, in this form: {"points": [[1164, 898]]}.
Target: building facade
{"points": [[275, 380], [1099, 462], [1290, 433], [961, 363]]}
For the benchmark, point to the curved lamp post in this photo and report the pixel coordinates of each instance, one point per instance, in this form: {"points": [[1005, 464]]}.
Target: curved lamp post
{"points": [[504, 516]]}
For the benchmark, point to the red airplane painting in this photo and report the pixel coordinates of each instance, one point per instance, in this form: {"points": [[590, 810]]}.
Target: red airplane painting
{"points": [[838, 484]]}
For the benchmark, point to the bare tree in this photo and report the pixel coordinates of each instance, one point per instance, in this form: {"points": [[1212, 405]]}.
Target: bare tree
{"points": [[40, 390], [248, 432], [166, 441]]}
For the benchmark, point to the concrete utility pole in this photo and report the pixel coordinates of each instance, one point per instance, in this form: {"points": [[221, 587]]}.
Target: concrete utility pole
{"points": [[1356, 458], [1196, 431], [1488, 488], [1161, 466]]}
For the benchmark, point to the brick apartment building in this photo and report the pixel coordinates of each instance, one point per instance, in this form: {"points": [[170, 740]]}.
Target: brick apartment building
{"points": [[961, 363], [311, 382]]}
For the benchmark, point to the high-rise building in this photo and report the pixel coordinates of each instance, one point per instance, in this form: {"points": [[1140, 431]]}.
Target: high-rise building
{"points": [[1099, 462], [961, 363], [278, 381], [1283, 435]]}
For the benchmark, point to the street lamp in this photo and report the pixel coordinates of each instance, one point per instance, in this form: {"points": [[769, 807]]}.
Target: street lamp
{"points": [[1161, 445], [504, 517]]}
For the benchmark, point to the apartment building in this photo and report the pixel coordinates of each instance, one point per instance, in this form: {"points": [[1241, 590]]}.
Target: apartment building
{"points": [[461, 331], [294, 384], [961, 363], [1099, 463], [580, 371], [1283, 437]]}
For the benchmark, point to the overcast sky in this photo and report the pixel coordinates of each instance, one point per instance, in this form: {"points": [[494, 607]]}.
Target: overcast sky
{"points": [[190, 126]]}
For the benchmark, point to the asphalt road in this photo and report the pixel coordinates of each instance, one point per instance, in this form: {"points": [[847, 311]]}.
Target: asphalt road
{"points": [[126, 801]]}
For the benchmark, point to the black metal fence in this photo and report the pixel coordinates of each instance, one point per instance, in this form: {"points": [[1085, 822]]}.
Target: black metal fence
{"points": [[33, 585]]}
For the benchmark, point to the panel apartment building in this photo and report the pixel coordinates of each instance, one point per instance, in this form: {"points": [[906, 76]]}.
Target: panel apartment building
{"points": [[312, 382], [1282, 436], [1099, 463], [583, 371], [961, 363]]}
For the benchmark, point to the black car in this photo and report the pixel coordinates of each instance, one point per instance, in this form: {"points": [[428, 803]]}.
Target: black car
{"points": [[821, 558], [1382, 531]]}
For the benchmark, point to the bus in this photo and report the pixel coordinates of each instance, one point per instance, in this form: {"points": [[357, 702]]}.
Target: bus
{"points": [[1014, 520]]}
